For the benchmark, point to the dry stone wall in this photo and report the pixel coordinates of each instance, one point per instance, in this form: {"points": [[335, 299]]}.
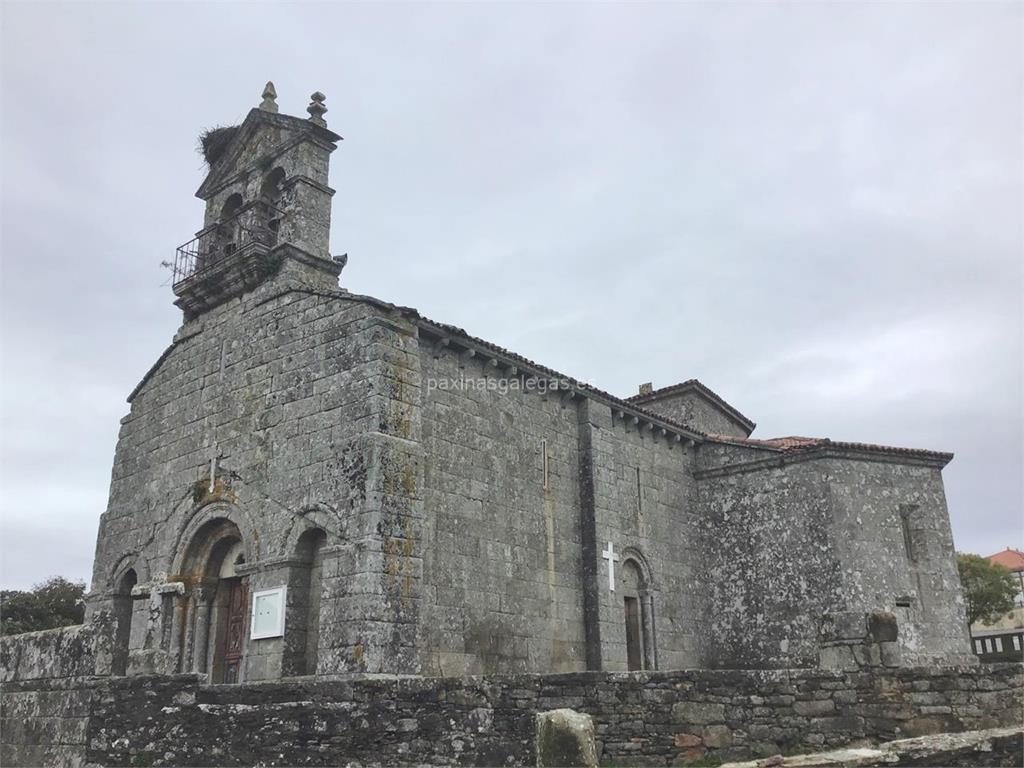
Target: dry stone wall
{"points": [[46, 695], [650, 718]]}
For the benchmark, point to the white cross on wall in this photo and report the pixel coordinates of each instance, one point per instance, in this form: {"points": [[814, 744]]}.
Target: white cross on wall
{"points": [[612, 558]]}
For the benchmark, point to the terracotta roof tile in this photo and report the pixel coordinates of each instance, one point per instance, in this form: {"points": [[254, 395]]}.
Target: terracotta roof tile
{"points": [[795, 444], [1009, 558]]}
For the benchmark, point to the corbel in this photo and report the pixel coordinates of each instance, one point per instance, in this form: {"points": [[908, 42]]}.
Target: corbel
{"points": [[439, 346]]}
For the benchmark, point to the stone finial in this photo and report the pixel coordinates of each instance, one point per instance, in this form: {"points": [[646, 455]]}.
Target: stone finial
{"points": [[317, 109], [647, 388], [269, 103]]}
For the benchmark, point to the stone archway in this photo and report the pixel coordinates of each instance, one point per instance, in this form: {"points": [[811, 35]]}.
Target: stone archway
{"points": [[638, 612]]}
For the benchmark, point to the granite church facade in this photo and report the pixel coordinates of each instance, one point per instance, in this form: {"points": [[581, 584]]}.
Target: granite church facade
{"points": [[315, 482]]}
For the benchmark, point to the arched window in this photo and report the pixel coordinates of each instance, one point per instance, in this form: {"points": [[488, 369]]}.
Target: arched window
{"points": [[270, 191], [227, 231], [123, 621], [309, 576], [270, 202]]}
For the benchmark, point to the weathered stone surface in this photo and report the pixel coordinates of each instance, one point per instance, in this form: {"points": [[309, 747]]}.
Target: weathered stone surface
{"points": [[993, 747], [814, 708], [698, 712], [459, 496], [882, 627], [426, 503], [565, 738], [687, 740], [718, 736], [482, 720]]}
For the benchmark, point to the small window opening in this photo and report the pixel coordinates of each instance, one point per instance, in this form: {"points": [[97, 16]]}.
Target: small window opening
{"points": [[906, 514]]}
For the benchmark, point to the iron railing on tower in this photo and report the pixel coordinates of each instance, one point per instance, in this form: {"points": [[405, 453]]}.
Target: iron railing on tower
{"points": [[254, 227]]}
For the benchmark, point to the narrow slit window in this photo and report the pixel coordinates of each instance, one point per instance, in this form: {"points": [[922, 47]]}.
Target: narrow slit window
{"points": [[908, 534]]}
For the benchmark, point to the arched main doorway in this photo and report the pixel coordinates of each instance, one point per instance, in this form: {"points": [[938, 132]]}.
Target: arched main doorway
{"points": [[217, 605]]}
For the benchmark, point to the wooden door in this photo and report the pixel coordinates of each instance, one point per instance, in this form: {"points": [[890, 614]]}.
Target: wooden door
{"points": [[634, 646], [235, 622]]}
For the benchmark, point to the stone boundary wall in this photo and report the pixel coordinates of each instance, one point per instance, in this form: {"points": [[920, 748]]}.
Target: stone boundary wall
{"points": [[62, 653], [46, 694], [655, 718]]}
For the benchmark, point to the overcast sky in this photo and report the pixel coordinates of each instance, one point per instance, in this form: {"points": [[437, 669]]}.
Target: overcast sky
{"points": [[815, 209]]}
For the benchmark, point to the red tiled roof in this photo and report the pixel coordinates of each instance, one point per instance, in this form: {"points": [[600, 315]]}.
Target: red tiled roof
{"points": [[1009, 558], [795, 444]]}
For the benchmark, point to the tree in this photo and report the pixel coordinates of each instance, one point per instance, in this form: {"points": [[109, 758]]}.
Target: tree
{"points": [[989, 589], [56, 602]]}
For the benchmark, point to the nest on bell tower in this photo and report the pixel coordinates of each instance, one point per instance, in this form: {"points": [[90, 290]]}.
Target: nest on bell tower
{"points": [[213, 142]]}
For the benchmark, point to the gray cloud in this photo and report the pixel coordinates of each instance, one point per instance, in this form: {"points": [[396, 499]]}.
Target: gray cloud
{"points": [[815, 209]]}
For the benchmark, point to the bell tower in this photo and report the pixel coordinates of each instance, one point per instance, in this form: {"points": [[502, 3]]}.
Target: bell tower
{"points": [[268, 206]]}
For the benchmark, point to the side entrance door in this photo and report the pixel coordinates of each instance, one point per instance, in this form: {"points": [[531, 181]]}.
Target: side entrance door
{"points": [[634, 644]]}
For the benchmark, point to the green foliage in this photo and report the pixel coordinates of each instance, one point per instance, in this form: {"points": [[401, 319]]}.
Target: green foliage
{"points": [[989, 589], [57, 602]]}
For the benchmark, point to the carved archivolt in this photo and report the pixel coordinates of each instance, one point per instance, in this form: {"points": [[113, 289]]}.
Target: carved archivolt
{"points": [[203, 529]]}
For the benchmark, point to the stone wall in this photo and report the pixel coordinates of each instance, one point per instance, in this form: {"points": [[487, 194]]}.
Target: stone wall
{"points": [[869, 500], [46, 695], [773, 569], [645, 505], [694, 409], [654, 718], [501, 545], [294, 391], [796, 539], [65, 652], [513, 539]]}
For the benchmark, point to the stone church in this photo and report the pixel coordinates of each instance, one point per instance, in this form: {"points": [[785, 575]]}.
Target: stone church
{"points": [[315, 482]]}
